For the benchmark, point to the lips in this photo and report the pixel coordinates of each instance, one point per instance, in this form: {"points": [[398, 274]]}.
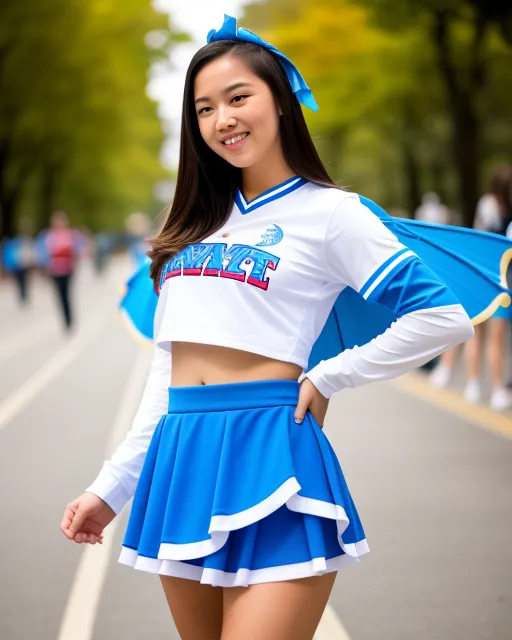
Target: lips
{"points": [[234, 139]]}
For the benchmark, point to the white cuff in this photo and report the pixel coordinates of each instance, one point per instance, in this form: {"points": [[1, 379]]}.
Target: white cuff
{"points": [[110, 490]]}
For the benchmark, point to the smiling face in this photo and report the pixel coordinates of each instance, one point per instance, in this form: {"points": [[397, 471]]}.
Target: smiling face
{"points": [[236, 112]]}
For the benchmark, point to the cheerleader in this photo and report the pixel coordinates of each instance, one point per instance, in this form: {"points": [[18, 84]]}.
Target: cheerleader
{"points": [[240, 504]]}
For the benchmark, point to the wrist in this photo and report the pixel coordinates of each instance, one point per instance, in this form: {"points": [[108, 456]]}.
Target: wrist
{"points": [[318, 381]]}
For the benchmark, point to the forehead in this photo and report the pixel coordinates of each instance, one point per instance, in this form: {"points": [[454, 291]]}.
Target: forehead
{"points": [[222, 72]]}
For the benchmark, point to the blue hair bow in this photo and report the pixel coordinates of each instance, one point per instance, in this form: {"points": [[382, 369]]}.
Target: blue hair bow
{"points": [[229, 31]]}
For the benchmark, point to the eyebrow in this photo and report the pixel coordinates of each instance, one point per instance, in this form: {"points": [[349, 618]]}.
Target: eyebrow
{"points": [[232, 87]]}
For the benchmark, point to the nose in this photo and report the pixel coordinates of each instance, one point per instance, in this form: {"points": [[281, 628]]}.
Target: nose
{"points": [[225, 120]]}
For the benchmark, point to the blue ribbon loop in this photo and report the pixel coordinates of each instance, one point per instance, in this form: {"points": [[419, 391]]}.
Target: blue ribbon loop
{"points": [[229, 31]]}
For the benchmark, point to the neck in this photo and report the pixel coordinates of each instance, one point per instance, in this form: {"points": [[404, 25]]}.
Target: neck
{"points": [[265, 175]]}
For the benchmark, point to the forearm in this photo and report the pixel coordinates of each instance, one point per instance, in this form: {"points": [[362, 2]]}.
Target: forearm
{"points": [[412, 340]]}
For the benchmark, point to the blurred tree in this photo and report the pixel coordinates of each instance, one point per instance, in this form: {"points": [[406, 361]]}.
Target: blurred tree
{"points": [[461, 31], [412, 92], [374, 127], [77, 129]]}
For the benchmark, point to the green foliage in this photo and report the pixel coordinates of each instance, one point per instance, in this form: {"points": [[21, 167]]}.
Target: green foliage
{"points": [[77, 129], [386, 122]]}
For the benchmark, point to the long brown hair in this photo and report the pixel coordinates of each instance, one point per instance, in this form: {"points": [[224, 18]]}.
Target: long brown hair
{"points": [[206, 183]]}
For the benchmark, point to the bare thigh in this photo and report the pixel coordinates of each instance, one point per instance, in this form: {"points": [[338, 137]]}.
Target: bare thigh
{"points": [[289, 610], [196, 608]]}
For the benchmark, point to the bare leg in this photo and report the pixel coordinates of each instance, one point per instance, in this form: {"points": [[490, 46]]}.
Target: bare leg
{"points": [[289, 610], [496, 350], [473, 353], [449, 357], [501, 397], [196, 608], [442, 373], [473, 360]]}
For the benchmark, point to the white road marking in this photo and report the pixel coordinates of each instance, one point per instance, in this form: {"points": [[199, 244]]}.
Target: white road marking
{"points": [[82, 605], [23, 395], [80, 612], [416, 384], [330, 627], [25, 340]]}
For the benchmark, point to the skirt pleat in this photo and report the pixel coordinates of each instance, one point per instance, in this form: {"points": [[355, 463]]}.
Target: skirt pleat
{"points": [[233, 492]]}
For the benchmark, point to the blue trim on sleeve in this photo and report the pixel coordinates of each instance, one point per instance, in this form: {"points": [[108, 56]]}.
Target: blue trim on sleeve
{"points": [[410, 287], [377, 273]]}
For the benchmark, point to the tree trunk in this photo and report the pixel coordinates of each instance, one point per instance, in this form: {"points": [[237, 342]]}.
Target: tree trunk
{"points": [[412, 177], [6, 220], [461, 104], [466, 140], [47, 191], [6, 203]]}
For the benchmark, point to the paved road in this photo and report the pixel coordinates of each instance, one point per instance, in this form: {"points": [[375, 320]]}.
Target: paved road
{"points": [[433, 489]]}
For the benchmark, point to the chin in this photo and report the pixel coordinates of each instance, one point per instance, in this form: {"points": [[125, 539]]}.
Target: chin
{"points": [[240, 163]]}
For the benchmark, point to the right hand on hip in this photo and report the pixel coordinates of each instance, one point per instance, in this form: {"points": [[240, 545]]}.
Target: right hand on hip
{"points": [[85, 518]]}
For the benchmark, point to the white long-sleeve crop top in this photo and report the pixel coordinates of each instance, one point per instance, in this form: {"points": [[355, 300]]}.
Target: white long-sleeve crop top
{"points": [[266, 282]]}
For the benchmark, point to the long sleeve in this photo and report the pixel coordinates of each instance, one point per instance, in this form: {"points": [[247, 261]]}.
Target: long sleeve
{"points": [[360, 252], [118, 477]]}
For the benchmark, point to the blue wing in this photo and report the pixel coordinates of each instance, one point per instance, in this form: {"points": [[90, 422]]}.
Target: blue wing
{"points": [[138, 303], [472, 263]]}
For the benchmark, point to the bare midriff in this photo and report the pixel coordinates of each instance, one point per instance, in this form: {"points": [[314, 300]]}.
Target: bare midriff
{"points": [[197, 364]]}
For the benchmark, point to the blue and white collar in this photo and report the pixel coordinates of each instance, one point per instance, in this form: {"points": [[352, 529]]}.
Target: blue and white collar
{"points": [[270, 195]]}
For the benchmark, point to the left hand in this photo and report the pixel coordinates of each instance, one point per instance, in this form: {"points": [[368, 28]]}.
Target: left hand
{"points": [[310, 398]]}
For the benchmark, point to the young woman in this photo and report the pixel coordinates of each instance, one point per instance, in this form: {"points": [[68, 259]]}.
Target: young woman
{"points": [[61, 245], [240, 503]]}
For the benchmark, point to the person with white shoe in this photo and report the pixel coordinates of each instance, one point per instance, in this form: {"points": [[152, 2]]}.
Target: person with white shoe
{"points": [[498, 326], [493, 214]]}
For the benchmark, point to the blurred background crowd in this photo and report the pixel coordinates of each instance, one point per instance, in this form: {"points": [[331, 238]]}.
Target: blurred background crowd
{"points": [[415, 107]]}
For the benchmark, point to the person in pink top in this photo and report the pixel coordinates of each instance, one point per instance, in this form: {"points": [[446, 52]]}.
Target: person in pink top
{"points": [[62, 250]]}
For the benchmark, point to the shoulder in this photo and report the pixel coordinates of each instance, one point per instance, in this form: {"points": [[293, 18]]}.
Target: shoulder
{"points": [[328, 198], [344, 212]]}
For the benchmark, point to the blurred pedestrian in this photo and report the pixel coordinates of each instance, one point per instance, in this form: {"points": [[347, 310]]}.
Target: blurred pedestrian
{"points": [[493, 214], [62, 245], [19, 258], [432, 209], [137, 228], [102, 246]]}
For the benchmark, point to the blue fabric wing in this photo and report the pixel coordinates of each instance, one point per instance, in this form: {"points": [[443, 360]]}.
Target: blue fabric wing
{"points": [[138, 304], [472, 263]]}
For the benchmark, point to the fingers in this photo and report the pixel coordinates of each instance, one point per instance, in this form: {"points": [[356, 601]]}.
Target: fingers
{"points": [[67, 519], [76, 523], [300, 412], [89, 538], [305, 397]]}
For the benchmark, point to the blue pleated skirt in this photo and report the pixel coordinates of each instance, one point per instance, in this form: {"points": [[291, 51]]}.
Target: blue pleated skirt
{"points": [[233, 492]]}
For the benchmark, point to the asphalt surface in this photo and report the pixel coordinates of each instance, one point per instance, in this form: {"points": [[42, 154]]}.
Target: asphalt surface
{"points": [[433, 491]]}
